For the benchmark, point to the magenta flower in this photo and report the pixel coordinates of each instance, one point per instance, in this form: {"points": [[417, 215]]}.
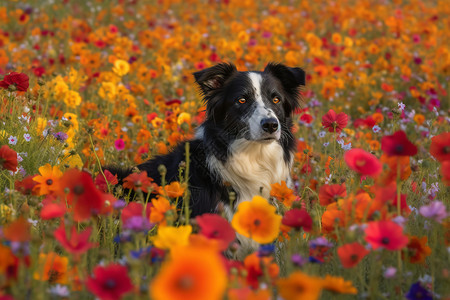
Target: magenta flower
{"points": [[119, 144]]}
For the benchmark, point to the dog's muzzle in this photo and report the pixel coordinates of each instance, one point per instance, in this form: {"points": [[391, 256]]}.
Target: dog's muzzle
{"points": [[269, 125]]}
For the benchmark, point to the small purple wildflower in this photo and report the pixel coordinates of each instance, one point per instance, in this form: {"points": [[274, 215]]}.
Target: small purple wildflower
{"points": [[60, 136], [435, 210]]}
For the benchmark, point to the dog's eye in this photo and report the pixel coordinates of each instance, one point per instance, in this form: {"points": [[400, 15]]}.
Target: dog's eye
{"points": [[242, 100], [276, 100]]}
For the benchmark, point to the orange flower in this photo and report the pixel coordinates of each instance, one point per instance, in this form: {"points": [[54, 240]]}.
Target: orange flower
{"points": [[257, 267], [338, 285], [193, 273], [418, 249], [139, 181], [158, 212], [18, 230], [173, 190], [331, 219], [48, 181], [284, 194], [257, 219], [52, 268], [300, 286], [378, 117], [391, 173]]}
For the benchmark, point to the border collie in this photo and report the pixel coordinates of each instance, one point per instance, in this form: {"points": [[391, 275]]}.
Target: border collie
{"points": [[245, 143]]}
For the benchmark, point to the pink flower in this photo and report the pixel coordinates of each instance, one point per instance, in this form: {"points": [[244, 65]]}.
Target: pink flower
{"points": [[363, 162], [119, 144]]}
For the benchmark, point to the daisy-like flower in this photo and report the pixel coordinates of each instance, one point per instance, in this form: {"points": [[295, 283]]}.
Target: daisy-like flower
{"points": [[376, 128], [12, 140], [401, 106], [49, 180], [27, 137], [257, 219], [334, 122]]}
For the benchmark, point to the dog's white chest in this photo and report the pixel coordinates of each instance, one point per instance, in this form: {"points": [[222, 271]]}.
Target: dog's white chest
{"points": [[252, 167]]}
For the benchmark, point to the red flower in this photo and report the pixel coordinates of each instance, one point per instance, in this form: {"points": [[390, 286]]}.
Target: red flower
{"points": [[445, 171], [139, 181], [8, 158], [440, 146], [102, 184], [53, 210], [82, 195], [134, 209], [362, 162], [351, 254], [19, 80], [398, 145], [217, 228], [76, 243], [386, 234], [26, 185], [334, 121], [331, 193], [110, 282], [297, 218]]}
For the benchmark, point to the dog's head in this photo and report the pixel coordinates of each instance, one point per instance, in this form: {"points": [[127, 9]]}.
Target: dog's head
{"points": [[256, 106]]}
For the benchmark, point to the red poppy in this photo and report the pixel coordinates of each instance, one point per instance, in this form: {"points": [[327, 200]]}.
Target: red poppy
{"points": [[217, 228], [52, 209], [102, 181], [82, 194], [398, 145], [331, 193], [445, 171], [440, 146], [76, 243], [385, 234], [19, 80], [297, 218], [140, 181], [110, 282], [351, 254], [26, 185], [8, 158], [363, 162], [334, 121]]}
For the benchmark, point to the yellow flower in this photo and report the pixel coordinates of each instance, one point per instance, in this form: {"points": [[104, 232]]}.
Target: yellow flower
{"points": [[184, 118], [41, 123], [338, 285], [257, 220], [170, 237], [73, 119], [299, 286], [48, 181], [121, 67], [108, 91], [72, 99]]}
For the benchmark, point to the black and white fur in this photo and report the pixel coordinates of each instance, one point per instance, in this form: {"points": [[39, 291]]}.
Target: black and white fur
{"points": [[240, 147]]}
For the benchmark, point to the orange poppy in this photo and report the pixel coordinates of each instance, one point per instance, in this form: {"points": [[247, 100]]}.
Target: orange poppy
{"points": [[417, 249], [193, 273], [257, 219], [18, 230], [284, 194], [338, 285], [159, 211], [173, 190], [48, 181], [300, 286], [52, 268]]}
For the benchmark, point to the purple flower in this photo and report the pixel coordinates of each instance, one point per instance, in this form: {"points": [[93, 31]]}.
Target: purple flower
{"points": [[435, 210], [138, 223], [417, 291], [60, 136], [298, 260], [320, 241], [119, 204], [390, 272]]}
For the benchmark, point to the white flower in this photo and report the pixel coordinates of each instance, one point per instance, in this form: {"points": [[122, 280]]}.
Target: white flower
{"points": [[401, 106], [12, 140], [347, 147], [376, 128], [326, 144], [322, 134], [27, 137]]}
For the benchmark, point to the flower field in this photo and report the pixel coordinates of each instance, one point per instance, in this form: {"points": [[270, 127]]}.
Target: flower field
{"points": [[91, 83]]}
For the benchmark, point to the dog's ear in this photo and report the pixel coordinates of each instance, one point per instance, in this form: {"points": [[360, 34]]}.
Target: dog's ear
{"points": [[291, 78], [212, 79]]}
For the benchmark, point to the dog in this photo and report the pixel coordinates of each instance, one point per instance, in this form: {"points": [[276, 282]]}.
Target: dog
{"points": [[245, 143]]}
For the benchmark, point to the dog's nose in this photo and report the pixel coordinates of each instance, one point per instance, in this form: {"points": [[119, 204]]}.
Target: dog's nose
{"points": [[269, 125]]}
